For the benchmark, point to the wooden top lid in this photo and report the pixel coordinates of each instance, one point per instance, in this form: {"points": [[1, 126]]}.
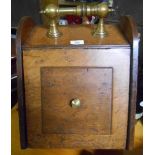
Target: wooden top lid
{"points": [[38, 37]]}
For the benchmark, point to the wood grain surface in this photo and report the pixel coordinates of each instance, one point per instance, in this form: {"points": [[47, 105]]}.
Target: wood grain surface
{"points": [[60, 85], [38, 37], [16, 150], [118, 51], [118, 59]]}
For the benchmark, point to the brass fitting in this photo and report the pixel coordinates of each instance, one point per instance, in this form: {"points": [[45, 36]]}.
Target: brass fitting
{"points": [[53, 12]]}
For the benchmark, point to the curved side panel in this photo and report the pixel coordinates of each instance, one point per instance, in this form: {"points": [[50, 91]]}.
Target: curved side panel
{"points": [[25, 26], [129, 29]]}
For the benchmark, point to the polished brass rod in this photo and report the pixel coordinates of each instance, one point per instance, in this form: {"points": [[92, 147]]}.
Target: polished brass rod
{"points": [[67, 11]]}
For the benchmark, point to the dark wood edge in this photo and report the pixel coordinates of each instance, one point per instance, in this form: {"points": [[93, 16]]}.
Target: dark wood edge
{"points": [[23, 31], [129, 29], [77, 47]]}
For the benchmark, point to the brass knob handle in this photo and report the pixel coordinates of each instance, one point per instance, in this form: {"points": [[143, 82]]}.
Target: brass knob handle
{"points": [[75, 103]]}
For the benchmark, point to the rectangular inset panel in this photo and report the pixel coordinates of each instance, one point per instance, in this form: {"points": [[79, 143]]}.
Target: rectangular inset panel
{"points": [[92, 86]]}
